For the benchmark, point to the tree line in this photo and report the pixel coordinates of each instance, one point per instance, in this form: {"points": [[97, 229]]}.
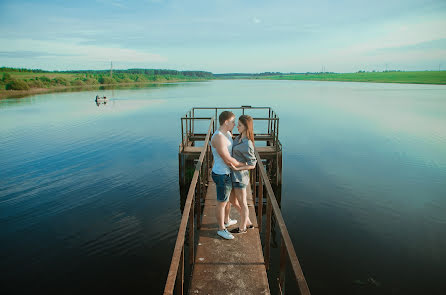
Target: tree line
{"points": [[13, 80]]}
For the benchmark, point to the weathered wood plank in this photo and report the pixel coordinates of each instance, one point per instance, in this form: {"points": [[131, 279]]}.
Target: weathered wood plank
{"points": [[228, 266]]}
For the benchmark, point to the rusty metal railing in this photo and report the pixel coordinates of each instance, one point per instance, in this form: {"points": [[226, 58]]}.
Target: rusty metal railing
{"points": [[260, 176], [195, 195], [270, 115], [187, 128]]}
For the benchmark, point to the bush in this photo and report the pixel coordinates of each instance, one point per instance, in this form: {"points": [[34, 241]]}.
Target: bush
{"points": [[141, 78], [35, 84], [77, 83], [6, 77], [17, 85], [107, 80], [126, 80], [90, 81], [60, 81], [45, 79]]}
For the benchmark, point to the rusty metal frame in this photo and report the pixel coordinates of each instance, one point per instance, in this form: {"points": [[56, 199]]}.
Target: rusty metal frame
{"points": [[176, 270], [287, 248]]}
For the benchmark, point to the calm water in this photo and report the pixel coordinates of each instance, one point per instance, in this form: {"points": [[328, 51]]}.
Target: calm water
{"points": [[89, 196]]}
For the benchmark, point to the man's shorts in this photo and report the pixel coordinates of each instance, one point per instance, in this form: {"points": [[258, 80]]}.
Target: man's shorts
{"points": [[223, 182]]}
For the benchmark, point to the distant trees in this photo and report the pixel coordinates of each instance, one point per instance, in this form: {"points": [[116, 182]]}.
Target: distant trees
{"points": [[11, 81]]}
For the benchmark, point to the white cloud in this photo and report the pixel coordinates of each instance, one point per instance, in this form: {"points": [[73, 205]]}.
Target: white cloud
{"points": [[71, 51], [256, 20]]}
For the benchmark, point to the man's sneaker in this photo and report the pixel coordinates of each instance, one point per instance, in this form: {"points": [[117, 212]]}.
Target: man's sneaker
{"points": [[230, 222], [225, 234], [238, 231]]}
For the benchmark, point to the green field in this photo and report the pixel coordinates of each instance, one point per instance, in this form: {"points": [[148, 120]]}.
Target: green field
{"points": [[421, 77]]}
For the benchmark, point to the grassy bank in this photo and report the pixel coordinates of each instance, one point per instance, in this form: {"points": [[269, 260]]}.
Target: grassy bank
{"points": [[23, 82], [33, 91], [421, 77]]}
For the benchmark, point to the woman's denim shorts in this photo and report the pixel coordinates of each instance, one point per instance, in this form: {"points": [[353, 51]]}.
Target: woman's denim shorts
{"points": [[238, 185], [223, 182]]}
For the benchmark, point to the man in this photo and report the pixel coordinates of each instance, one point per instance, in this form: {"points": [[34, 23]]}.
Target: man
{"points": [[221, 144]]}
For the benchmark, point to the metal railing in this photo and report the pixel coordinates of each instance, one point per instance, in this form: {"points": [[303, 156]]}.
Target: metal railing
{"points": [[195, 195], [188, 126], [260, 176]]}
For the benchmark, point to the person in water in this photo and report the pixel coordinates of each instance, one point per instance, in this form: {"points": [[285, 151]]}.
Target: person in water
{"points": [[243, 152], [221, 145]]}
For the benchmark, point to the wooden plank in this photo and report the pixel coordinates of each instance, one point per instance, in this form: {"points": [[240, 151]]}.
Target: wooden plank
{"points": [[228, 266]]}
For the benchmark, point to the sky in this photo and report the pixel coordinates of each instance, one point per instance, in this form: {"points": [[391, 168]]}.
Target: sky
{"points": [[224, 36]]}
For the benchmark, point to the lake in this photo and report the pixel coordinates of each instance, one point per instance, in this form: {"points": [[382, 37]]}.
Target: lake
{"points": [[90, 202]]}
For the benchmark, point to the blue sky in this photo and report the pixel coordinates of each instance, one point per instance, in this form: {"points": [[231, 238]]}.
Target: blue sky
{"points": [[224, 35]]}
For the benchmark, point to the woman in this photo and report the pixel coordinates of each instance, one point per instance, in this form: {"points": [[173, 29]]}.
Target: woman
{"points": [[243, 151]]}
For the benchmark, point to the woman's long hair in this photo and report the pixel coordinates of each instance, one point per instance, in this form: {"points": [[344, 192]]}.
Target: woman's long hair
{"points": [[248, 122]]}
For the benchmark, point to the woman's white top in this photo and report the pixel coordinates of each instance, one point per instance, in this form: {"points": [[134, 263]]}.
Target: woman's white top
{"points": [[220, 166]]}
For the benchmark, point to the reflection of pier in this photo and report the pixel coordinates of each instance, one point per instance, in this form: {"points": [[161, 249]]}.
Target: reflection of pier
{"points": [[239, 266]]}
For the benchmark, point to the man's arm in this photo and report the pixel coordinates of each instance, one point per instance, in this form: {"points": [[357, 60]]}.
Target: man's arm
{"points": [[218, 143]]}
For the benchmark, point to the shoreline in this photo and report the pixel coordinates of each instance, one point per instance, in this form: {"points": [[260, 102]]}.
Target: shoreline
{"points": [[322, 80], [35, 91]]}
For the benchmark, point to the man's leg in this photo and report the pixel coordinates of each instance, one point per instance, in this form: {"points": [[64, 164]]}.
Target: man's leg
{"points": [[227, 211], [220, 213]]}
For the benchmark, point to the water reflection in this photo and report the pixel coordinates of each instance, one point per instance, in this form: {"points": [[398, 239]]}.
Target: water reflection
{"points": [[89, 196]]}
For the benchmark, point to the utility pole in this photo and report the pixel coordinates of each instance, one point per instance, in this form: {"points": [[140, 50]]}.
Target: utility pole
{"points": [[111, 69]]}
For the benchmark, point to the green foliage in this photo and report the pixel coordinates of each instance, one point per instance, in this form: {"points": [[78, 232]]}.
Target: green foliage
{"points": [[45, 79], [90, 81], [77, 82], [6, 77], [106, 80], [141, 78], [17, 85], [60, 81], [23, 79], [36, 83]]}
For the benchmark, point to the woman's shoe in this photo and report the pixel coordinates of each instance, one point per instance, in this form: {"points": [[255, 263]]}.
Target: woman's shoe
{"points": [[250, 226], [238, 231]]}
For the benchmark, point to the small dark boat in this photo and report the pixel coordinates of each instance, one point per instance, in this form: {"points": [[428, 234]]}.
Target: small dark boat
{"points": [[101, 98]]}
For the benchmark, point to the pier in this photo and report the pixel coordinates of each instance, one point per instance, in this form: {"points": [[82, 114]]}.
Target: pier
{"points": [[241, 265]]}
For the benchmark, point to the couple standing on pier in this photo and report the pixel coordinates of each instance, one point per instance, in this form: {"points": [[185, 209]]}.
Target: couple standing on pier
{"points": [[232, 160]]}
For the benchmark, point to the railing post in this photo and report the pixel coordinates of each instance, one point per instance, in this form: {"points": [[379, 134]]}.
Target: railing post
{"points": [[198, 199], [180, 274], [269, 121], [191, 231], [254, 195], [269, 210], [182, 135], [215, 123], [283, 261], [187, 129], [260, 203], [254, 182]]}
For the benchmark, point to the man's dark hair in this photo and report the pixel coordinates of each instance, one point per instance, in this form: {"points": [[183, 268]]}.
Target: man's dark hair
{"points": [[226, 115]]}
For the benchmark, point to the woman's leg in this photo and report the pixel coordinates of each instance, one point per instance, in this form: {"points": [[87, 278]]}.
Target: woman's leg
{"points": [[245, 208], [241, 196]]}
